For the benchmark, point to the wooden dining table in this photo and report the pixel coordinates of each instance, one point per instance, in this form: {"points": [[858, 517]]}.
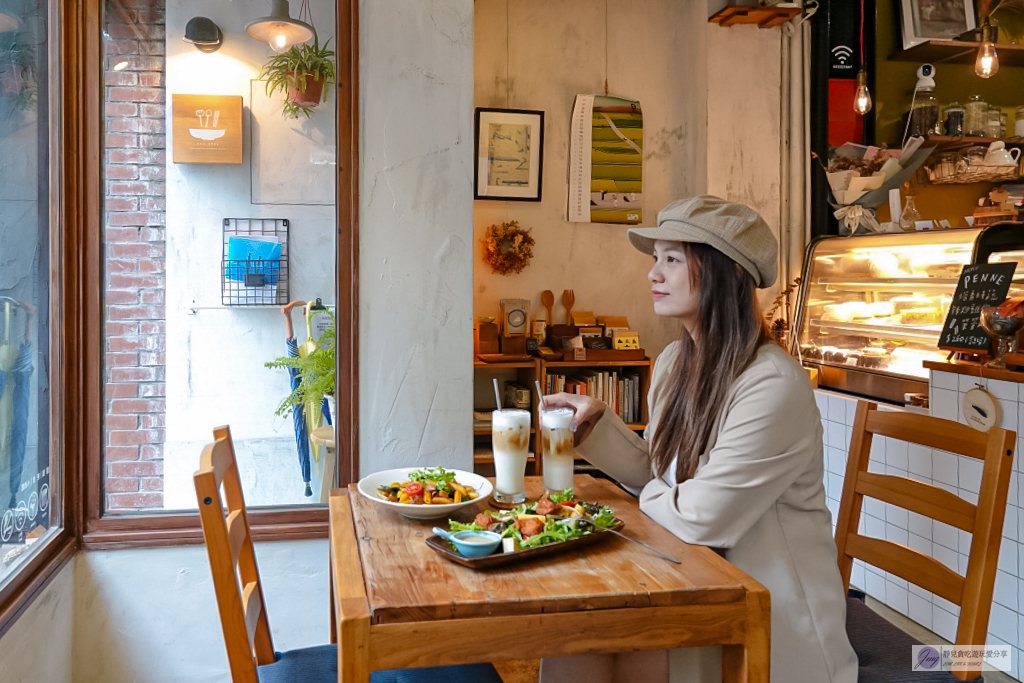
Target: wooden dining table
{"points": [[398, 604]]}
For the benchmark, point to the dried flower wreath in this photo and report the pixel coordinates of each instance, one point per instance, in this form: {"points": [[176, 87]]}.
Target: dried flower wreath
{"points": [[507, 248]]}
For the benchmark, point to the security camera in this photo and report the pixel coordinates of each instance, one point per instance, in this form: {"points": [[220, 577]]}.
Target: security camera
{"points": [[926, 76]]}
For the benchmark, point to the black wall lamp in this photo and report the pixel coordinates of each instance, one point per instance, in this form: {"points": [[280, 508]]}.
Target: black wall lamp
{"points": [[204, 34]]}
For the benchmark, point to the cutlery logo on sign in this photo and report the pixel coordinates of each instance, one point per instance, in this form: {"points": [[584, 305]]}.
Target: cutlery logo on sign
{"points": [[7, 526], [207, 129]]}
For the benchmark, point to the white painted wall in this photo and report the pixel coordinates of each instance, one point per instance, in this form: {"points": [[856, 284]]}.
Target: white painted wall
{"points": [[415, 233], [37, 647], [539, 54], [215, 358], [744, 112], [151, 615]]}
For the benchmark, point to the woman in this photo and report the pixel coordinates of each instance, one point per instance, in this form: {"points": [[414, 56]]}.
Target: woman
{"points": [[732, 456]]}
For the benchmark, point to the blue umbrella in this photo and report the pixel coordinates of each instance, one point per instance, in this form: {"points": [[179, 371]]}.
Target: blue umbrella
{"points": [[299, 419], [19, 373]]}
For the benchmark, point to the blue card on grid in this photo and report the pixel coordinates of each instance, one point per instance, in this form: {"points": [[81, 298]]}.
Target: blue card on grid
{"points": [[248, 255]]}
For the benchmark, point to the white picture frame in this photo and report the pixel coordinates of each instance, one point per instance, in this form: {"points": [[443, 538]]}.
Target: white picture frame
{"points": [[924, 20]]}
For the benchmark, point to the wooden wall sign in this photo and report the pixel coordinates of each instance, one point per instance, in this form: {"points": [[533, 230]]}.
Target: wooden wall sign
{"points": [[207, 129]]}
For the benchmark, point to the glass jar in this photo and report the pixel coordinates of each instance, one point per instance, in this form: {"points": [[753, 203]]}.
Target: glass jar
{"points": [[924, 113], [910, 215], [992, 126], [954, 120], [975, 117], [1018, 122], [1002, 125]]}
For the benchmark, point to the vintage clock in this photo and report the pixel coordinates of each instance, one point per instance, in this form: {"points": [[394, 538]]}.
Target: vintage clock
{"points": [[515, 315]]}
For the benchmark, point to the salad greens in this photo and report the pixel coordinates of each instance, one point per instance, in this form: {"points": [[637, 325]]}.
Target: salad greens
{"points": [[555, 528], [436, 474]]}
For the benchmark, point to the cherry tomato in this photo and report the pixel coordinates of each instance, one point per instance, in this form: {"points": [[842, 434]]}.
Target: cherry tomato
{"points": [[567, 504], [414, 488]]}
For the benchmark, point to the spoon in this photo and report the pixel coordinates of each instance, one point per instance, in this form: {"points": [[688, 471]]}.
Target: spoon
{"points": [[547, 297], [568, 300]]}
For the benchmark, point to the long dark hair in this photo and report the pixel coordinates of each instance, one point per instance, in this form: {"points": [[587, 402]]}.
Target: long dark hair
{"points": [[729, 330]]}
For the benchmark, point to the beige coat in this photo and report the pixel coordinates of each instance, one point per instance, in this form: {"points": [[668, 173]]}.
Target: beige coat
{"points": [[758, 495]]}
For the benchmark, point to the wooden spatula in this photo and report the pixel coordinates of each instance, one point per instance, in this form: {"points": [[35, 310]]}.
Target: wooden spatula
{"points": [[568, 300], [547, 297]]}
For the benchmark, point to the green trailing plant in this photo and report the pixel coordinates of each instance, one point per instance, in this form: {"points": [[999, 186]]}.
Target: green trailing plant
{"points": [[316, 372], [291, 71], [1008, 15]]}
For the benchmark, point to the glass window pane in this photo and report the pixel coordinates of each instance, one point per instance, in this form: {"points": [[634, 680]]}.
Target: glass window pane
{"points": [[219, 209], [29, 500]]}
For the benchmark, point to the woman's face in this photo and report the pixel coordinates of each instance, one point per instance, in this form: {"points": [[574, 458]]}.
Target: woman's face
{"points": [[670, 283]]}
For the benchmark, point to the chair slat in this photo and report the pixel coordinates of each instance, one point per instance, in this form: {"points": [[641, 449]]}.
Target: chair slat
{"points": [[236, 534], [933, 432], [219, 457], [923, 499], [909, 564], [252, 605]]}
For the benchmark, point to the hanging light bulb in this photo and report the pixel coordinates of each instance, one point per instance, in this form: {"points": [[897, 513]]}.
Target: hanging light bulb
{"points": [[279, 30], [988, 61], [862, 98]]}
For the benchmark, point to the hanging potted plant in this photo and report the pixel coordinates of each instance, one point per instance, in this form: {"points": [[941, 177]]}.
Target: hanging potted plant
{"points": [[301, 73]]}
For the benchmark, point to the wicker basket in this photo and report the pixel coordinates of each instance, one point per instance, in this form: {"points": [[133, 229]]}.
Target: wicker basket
{"points": [[976, 173]]}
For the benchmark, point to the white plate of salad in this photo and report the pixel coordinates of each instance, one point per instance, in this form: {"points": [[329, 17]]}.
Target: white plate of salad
{"points": [[425, 492]]}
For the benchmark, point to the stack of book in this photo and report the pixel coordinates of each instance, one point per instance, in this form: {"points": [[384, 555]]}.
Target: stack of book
{"points": [[621, 391]]}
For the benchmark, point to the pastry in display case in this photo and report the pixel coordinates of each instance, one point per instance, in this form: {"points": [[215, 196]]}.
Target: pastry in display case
{"points": [[871, 307]]}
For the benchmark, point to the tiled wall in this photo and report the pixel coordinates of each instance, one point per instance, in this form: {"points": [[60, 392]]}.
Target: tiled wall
{"points": [[947, 544]]}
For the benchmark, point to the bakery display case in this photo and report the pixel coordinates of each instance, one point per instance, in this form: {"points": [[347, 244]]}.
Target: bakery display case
{"points": [[871, 307]]}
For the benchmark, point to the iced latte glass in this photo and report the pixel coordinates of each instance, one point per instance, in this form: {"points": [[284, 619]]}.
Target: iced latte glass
{"points": [[510, 436], [556, 438]]}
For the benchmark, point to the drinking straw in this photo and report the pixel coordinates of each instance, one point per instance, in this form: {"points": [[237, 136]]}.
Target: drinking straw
{"points": [[497, 395], [540, 394]]}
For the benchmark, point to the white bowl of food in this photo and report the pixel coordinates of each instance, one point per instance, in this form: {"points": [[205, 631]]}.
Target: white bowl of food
{"points": [[406, 490]]}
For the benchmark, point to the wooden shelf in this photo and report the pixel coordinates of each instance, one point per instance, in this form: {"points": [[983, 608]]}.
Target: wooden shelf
{"points": [[945, 143], [636, 427], [487, 455], [764, 17], [597, 363], [975, 369], [958, 52], [505, 366]]}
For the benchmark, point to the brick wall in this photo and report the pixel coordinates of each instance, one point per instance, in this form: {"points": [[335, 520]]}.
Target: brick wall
{"points": [[134, 220]]}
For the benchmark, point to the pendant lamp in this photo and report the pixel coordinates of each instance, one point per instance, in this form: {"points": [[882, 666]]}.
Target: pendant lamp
{"points": [[279, 30], [987, 63]]}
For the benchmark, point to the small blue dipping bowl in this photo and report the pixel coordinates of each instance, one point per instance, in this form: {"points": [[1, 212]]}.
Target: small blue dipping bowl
{"points": [[471, 543]]}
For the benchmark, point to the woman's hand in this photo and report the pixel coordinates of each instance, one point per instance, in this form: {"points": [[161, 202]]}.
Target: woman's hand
{"points": [[588, 411]]}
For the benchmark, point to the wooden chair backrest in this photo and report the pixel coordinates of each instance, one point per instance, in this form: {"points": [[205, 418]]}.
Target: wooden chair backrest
{"points": [[972, 592], [236, 578]]}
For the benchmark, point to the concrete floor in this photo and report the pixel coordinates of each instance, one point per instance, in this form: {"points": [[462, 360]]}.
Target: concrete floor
{"points": [[527, 671]]}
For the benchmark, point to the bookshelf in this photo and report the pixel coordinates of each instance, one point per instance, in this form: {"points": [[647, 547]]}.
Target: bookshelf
{"points": [[525, 373]]}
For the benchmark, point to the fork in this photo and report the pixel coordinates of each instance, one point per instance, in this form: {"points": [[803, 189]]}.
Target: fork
{"points": [[568, 300], [598, 527]]}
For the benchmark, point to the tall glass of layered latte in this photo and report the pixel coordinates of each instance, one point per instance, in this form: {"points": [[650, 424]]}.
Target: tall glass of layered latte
{"points": [[556, 439], [510, 436]]}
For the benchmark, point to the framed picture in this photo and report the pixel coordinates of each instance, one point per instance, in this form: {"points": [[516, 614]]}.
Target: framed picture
{"points": [[935, 20], [509, 154]]}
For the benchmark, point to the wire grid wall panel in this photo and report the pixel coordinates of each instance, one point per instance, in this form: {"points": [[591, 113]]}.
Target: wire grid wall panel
{"points": [[255, 281]]}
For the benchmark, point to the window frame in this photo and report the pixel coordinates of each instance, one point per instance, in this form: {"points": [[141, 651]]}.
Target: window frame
{"points": [[156, 528], [77, 332]]}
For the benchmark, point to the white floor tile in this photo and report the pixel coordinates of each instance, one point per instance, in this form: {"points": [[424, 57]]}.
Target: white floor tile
{"points": [[836, 434], [1010, 523], [896, 454], [896, 534], [1010, 410], [874, 507], [897, 516], [965, 539], [857, 577], [837, 409], [875, 586], [896, 598], [920, 543], [875, 527], [878, 449], [851, 413], [944, 624], [946, 556], [919, 525], [946, 606], [945, 535]]}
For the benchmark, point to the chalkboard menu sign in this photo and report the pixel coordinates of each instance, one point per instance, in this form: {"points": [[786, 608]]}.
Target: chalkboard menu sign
{"points": [[980, 284]]}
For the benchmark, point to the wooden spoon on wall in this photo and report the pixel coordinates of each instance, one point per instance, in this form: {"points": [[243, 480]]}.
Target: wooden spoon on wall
{"points": [[547, 297], [568, 300]]}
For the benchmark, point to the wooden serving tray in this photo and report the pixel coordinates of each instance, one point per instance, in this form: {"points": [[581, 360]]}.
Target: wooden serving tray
{"points": [[504, 357], [500, 559]]}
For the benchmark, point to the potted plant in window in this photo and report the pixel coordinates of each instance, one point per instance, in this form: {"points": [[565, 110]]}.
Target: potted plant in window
{"points": [[316, 375], [17, 69], [301, 73]]}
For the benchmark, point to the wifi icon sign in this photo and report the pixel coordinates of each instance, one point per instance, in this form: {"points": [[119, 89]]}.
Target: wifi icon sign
{"points": [[842, 53]]}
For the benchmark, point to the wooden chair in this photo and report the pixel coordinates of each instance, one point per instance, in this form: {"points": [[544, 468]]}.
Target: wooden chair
{"points": [[884, 650], [236, 582]]}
